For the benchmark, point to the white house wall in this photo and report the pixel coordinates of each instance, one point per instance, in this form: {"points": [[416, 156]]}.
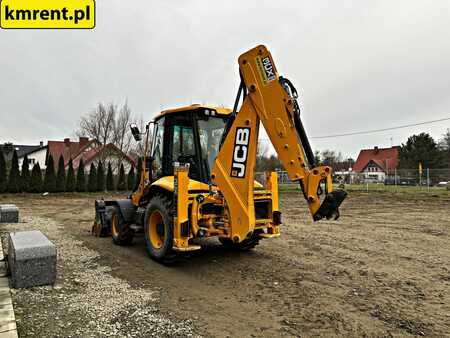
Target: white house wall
{"points": [[37, 156], [375, 176]]}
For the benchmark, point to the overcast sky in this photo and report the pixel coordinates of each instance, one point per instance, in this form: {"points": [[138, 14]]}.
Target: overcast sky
{"points": [[358, 64]]}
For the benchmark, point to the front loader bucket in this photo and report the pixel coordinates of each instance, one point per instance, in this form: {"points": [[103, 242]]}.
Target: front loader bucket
{"points": [[99, 228], [330, 205]]}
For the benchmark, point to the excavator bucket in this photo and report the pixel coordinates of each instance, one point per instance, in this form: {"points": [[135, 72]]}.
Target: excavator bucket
{"points": [[330, 205]]}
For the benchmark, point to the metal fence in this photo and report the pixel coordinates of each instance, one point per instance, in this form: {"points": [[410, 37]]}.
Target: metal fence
{"points": [[429, 180]]}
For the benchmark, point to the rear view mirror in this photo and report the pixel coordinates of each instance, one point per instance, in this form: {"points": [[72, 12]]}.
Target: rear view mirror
{"points": [[135, 131]]}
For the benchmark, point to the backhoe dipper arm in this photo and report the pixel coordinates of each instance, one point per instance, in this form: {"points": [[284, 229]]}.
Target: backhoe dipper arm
{"points": [[271, 99]]}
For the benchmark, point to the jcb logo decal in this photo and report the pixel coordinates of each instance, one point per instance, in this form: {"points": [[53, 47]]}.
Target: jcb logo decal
{"points": [[240, 152]]}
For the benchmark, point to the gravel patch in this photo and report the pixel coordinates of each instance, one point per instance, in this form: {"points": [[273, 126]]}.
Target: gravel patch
{"points": [[87, 300]]}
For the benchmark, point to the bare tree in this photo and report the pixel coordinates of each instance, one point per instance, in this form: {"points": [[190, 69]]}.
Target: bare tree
{"points": [[109, 124], [98, 124], [331, 157], [262, 150], [317, 157], [122, 137], [264, 161], [137, 148]]}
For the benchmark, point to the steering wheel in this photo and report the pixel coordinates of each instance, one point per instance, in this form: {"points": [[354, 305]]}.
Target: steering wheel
{"points": [[186, 159]]}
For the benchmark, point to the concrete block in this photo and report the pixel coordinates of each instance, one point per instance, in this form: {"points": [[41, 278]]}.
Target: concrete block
{"points": [[32, 259], [9, 213]]}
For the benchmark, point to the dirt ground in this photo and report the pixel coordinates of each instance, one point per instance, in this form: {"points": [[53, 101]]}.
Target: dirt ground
{"points": [[381, 270]]}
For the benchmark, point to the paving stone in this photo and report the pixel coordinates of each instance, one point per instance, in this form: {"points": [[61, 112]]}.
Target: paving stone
{"points": [[5, 297], [6, 307], [8, 325], [2, 254], [4, 282], [9, 213], [32, 259], [9, 334], [3, 269], [7, 315]]}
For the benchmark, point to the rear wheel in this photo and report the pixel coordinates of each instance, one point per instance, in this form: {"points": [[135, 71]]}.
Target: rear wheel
{"points": [[120, 232], [159, 229]]}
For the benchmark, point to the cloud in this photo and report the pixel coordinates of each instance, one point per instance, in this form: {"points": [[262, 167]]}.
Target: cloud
{"points": [[358, 65]]}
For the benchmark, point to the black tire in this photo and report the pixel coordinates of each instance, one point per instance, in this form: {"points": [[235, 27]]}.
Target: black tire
{"points": [[158, 229], [246, 245], [120, 232]]}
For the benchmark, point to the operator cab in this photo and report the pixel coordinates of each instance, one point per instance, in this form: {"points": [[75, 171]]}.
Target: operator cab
{"points": [[189, 136]]}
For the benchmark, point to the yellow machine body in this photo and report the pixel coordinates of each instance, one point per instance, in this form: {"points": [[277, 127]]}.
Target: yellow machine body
{"points": [[231, 204]]}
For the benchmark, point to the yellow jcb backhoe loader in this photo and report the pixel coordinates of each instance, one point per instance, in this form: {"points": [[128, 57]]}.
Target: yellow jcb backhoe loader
{"points": [[197, 178]]}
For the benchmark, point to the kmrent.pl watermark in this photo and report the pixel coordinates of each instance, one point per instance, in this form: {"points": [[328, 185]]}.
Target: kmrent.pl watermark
{"points": [[16, 14]]}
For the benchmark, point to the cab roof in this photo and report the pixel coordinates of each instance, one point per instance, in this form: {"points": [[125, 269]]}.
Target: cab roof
{"points": [[218, 110]]}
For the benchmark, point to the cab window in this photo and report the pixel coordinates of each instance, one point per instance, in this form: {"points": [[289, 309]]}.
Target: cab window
{"points": [[183, 143], [157, 153]]}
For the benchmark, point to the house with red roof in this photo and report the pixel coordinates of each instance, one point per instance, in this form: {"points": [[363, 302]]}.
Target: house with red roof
{"points": [[376, 163], [91, 151], [34, 153]]}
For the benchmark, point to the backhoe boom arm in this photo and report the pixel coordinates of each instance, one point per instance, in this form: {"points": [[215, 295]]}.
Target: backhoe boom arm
{"points": [[271, 99]]}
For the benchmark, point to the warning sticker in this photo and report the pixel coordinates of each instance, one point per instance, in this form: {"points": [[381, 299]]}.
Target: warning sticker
{"points": [[266, 69]]}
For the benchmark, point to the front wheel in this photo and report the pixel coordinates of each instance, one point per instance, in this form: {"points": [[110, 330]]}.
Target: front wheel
{"points": [[159, 229]]}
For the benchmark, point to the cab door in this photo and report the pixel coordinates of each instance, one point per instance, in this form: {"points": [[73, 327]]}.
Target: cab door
{"points": [[183, 143]]}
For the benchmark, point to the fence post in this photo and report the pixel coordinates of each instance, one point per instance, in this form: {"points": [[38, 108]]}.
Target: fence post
{"points": [[428, 179], [395, 179]]}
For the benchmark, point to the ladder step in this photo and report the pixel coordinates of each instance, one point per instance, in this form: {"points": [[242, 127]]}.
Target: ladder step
{"points": [[189, 248], [269, 235], [137, 228]]}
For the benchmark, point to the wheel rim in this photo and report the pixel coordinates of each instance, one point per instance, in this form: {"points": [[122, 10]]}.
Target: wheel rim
{"points": [[156, 230], [115, 222]]}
